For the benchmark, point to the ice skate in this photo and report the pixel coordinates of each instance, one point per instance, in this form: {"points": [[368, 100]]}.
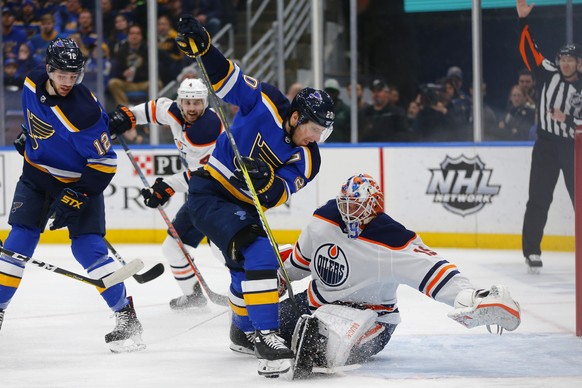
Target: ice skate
{"points": [[126, 336], [534, 264], [274, 356], [487, 307], [241, 341], [184, 302]]}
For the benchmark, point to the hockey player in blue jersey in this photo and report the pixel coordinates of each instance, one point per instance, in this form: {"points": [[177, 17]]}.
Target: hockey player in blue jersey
{"points": [[278, 142], [68, 162]]}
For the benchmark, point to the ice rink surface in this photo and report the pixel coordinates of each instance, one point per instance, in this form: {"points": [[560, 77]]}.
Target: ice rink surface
{"points": [[53, 333]]}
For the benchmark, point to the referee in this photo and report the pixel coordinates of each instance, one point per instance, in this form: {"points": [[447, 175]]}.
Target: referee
{"points": [[558, 114]]}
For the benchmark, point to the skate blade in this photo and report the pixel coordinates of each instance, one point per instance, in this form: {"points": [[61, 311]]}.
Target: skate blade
{"points": [[242, 349], [133, 344], [273, 368]]}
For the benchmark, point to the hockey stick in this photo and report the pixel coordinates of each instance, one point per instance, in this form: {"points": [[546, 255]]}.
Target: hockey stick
{"points": [[110, 280], [244, 170], [150, 274], [213, 296]]}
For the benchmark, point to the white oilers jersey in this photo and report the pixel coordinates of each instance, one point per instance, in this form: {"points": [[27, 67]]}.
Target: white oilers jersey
{"points": [[366, 272], [195, 141]]}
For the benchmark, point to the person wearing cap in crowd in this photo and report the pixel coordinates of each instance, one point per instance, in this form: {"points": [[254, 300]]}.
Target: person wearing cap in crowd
{"points": [[341, 125], [461, 103], [12, 81], [12, 37], [383, 121]]}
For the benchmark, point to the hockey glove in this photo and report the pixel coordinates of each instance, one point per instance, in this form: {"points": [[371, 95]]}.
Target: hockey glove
{"points": [[260, 172], [67, 208], [192, 39], [121, 120], [20, 141], [158, 194]]}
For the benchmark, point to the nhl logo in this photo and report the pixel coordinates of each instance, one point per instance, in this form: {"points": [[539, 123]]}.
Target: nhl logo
{"points": [[462, 185]]}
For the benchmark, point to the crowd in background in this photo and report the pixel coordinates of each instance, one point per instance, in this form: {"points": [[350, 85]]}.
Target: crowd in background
{"points": [[442, 110]]}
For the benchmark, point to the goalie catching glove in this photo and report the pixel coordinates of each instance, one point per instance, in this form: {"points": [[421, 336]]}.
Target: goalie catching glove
{"points": [[121, 120], [158, 194], [67, 208], [261, 173], [192, 39]]}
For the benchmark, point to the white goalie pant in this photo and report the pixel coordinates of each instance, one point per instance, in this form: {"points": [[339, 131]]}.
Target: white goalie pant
{"points": [[344, 327]]}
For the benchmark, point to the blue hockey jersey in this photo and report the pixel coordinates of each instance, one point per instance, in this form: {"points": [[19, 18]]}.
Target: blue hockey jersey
{"points": [[68, 137], [259, 133]]}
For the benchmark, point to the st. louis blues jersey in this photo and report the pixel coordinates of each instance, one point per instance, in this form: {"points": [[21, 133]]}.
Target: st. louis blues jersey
{"points": [[366, 272], [68, 138], [195, 141], [258, 132]]}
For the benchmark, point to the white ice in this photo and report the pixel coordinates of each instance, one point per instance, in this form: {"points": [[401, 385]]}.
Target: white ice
{"points": [[53, 333]]}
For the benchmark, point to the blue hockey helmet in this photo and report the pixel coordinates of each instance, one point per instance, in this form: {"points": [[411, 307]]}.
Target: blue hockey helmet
{"points": [[314, 105], [64, 54]]}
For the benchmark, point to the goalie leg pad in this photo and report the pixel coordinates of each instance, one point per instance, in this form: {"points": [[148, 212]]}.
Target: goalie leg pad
{"points": [[309, 347], [487, 307]]}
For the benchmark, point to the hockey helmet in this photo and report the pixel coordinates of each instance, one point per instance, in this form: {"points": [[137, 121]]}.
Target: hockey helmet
{"points": [[317, 106], [193, 88], [64, 54], [359, 202], [571, 49]]}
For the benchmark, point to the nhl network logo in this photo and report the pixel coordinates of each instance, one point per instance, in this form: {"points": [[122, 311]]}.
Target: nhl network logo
{"points": [[462, 185]]}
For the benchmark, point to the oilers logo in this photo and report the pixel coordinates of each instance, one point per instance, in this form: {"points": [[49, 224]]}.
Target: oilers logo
{"points": [[331, 265]]}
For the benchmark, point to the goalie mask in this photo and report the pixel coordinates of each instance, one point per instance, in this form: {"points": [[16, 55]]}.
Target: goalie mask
{"points": [[193, 89], [359, 202]]}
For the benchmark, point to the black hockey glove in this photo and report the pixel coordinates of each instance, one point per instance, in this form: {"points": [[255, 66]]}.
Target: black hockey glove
{"points": [[20, 141], [192, 39], [158, 194], [260, 172], [67, 208], [121, 120]]}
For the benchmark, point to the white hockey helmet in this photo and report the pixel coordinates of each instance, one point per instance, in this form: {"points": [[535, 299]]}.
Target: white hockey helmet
{"points": [[193, 88], [359, 202]]}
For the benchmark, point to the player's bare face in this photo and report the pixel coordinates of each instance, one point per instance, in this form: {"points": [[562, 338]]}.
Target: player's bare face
{"points": [[192, 109], [569, 67], [308, 132], [63, 81]]}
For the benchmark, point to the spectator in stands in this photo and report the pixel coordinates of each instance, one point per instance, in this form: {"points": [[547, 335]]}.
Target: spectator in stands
{"points": [[130, 67], [26, 61], [394, 95], [341, 125], [210, 13], [519, 118], [119, 33], [527, 82], [293, 89], [169, 55], [85, 36], [91, 68], [434, 122], [458, 110], [11, 37], [362, 103], [28, 19], [412, 112], [490, 123], [67, 17], [108, 16], [384, 122], [12, 81], [40, 42]]}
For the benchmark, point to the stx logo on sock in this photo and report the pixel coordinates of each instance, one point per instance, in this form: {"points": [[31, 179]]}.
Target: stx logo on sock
{"points": [[72, 202]]}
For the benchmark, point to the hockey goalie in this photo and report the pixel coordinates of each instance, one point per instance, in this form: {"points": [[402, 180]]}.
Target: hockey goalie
{"points": [[357, 256]]}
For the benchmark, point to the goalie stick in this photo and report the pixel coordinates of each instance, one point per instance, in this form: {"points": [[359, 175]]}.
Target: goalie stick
{"points": [[213, 296], [150, 274], [110, 280]]}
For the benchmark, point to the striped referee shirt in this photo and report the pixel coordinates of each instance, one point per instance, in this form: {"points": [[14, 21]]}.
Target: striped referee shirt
{"points": [[556, 93]]}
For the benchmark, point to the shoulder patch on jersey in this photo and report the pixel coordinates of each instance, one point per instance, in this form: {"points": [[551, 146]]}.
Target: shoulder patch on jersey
{"points": [[329, 211], [314, 161], [384, 230], [205, 130], [79, 108], [279, 100]]}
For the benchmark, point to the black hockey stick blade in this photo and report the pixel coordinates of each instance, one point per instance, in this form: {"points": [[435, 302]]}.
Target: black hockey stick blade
{"points": [[150, 274]]}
